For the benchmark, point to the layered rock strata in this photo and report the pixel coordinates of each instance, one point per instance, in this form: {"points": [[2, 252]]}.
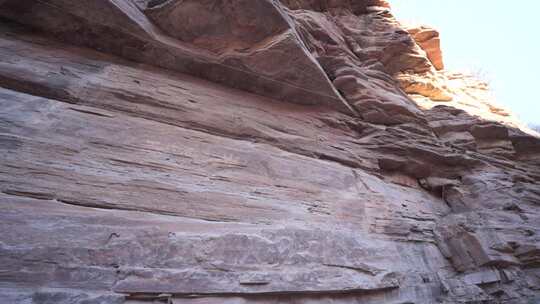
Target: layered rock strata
{"points": [[255, 151]]}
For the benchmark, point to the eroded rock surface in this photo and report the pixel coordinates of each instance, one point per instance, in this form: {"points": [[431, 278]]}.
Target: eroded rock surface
{"points": [[262, 151]]}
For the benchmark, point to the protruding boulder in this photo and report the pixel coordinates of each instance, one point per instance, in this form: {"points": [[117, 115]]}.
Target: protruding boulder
{"points": [[428, 39]]}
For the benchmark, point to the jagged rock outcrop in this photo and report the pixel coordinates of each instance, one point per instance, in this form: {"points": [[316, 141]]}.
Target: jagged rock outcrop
{"points": [[261, 151], [428, 39]]}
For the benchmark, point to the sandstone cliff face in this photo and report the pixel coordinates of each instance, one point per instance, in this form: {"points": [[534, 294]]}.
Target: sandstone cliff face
{"points": [[254, 151]]}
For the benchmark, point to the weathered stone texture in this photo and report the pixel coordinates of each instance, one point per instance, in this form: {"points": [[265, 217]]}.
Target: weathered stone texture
{"points": [[254, 151]]}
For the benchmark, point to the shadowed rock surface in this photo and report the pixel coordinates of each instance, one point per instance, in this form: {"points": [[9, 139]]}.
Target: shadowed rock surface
{"points": [[254, 151]]}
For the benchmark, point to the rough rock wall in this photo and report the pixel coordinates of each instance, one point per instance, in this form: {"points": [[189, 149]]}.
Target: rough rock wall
{"points": [[360, 171]]}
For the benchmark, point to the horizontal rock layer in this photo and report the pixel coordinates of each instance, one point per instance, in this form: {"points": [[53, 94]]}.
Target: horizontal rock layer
{"points": [[263, 152]]}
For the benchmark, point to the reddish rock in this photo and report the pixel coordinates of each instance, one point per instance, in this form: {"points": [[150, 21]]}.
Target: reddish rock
{"points": [[428, 39], [294, 151]]}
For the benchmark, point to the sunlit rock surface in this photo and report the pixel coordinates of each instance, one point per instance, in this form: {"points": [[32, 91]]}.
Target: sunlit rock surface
{"points": [[255, 151]]}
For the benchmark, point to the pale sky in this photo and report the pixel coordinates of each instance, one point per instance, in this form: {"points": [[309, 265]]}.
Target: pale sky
{"points": [[498, 37]]}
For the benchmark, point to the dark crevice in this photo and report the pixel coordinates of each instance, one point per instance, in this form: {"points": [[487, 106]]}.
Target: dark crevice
{"points": [[133, 295], [91, 112]]}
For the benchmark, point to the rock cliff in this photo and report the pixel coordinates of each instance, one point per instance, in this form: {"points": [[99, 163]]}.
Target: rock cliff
{"points": [[254, 151]]}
